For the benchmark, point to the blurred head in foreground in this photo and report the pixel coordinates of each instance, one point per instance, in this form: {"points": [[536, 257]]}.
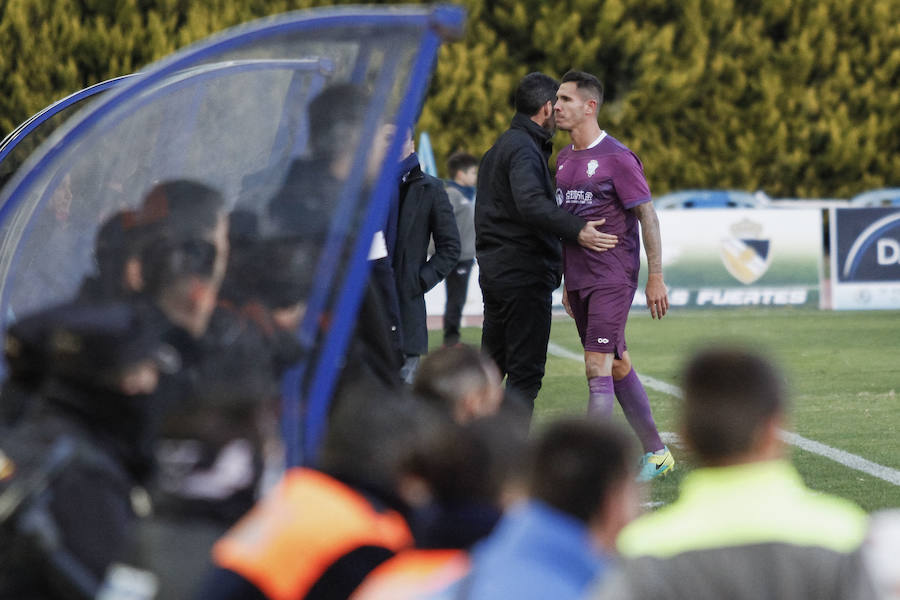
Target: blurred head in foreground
{"points": [[460, 381], [734, 404], [586, 469]]}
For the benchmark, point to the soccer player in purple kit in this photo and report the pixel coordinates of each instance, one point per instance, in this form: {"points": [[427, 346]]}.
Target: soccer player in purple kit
{"points": [[597, 177]]}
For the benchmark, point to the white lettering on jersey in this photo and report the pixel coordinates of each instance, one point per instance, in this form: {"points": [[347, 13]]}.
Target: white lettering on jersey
{"points": [[576, 196]]}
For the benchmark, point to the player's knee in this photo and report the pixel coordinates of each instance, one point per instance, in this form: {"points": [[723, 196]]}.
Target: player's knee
{"points": [[597, 365], [621, 367]]}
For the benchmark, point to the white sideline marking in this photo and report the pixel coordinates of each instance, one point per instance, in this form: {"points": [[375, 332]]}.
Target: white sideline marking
{"points": [[852, 461]]}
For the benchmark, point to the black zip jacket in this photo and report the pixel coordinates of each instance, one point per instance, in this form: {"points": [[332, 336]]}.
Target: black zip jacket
{"points": [[518, 224]]}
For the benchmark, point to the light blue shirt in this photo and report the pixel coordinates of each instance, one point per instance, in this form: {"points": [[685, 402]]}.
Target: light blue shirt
{"points": [[535, 552]]}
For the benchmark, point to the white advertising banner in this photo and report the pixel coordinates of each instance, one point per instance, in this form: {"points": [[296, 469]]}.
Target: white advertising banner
{"points": [[740, 257], [716, 258]]}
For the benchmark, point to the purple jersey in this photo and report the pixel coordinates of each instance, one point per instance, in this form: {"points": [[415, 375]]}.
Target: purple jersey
{"points": [[602, 182]]}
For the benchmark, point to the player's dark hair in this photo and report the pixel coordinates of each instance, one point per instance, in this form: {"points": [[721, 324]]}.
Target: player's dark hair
{"points": [[447, 374], [534, 91], [729, 393], [586, 81], [460, 161], [334, 115], [578, 463]]}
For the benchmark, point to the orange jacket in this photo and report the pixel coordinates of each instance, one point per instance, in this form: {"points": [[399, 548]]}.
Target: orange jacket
{"points": [[413, 574], [308, 521]]}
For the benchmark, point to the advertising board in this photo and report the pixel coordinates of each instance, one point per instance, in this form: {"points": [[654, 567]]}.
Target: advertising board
{"points": [[740, 257], [716, 258], [865, 258]]}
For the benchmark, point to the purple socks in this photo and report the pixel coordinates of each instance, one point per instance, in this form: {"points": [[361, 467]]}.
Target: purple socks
{"points": [[602, 396], [636, 406]]}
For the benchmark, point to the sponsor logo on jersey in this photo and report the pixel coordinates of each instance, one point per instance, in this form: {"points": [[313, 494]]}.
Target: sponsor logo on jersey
{"points": [[559, 197], [745, 252], [592, 168], [602, 340], [576, 196]]}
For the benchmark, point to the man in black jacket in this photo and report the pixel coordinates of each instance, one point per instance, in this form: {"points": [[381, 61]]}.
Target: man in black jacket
{"points": [[424, 211], [518, 226]]}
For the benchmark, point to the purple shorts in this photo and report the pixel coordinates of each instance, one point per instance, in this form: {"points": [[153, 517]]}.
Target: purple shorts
{"points": [[600, 316]]}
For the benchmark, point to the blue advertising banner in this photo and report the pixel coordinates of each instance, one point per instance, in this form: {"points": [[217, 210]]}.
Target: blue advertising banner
{"points": [[865, 258]]}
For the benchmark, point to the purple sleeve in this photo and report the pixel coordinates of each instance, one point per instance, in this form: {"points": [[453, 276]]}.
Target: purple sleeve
{"points": [[631, 185]]}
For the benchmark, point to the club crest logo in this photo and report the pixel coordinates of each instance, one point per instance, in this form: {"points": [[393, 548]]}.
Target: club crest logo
{"points": [[592, 168], [745, 253]]}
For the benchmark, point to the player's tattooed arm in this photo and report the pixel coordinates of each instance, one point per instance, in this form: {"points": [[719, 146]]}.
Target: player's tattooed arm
{"points": [[657, 297], [650, 233]]}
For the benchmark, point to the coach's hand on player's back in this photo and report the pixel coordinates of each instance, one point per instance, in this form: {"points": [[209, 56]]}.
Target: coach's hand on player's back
{"points": [[657, 297], [592, 238]]}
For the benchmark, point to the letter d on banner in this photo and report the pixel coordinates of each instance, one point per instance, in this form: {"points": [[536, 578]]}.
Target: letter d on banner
{"points": [[888, 251]]}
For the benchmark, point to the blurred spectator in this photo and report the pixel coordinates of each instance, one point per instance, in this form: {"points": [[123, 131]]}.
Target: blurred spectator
{"points": [[185, 254], [423, 212], [744, 525], [318, 533], [168, 259], [117, 258], [463, 171], [459, 481], [880, 552], [214, 452], [72, 467], [461, 382], [582, 493], [307, 203]]}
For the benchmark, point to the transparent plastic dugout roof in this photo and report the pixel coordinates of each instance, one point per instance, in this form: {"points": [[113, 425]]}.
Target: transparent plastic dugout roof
{"points": [[232, 112]]}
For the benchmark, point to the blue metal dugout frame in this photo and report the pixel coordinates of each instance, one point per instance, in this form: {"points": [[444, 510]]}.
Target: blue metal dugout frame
{"points": [[436, 24], [194, 77], [39, 118]]}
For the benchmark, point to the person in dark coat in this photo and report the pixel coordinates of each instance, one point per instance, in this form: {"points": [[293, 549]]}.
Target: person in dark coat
{"points": [[424, 212]]}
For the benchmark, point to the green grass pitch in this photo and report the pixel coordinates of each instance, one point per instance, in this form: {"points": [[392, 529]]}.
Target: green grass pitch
{"points": [[843, 370]]}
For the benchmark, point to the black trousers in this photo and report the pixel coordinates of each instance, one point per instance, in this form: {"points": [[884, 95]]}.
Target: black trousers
{"points": [[515, 334], [457, 284]]}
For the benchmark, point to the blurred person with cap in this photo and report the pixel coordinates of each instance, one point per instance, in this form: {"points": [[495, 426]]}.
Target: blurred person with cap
{"points": [[745, 525], [73, 467], [554, 544]]}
